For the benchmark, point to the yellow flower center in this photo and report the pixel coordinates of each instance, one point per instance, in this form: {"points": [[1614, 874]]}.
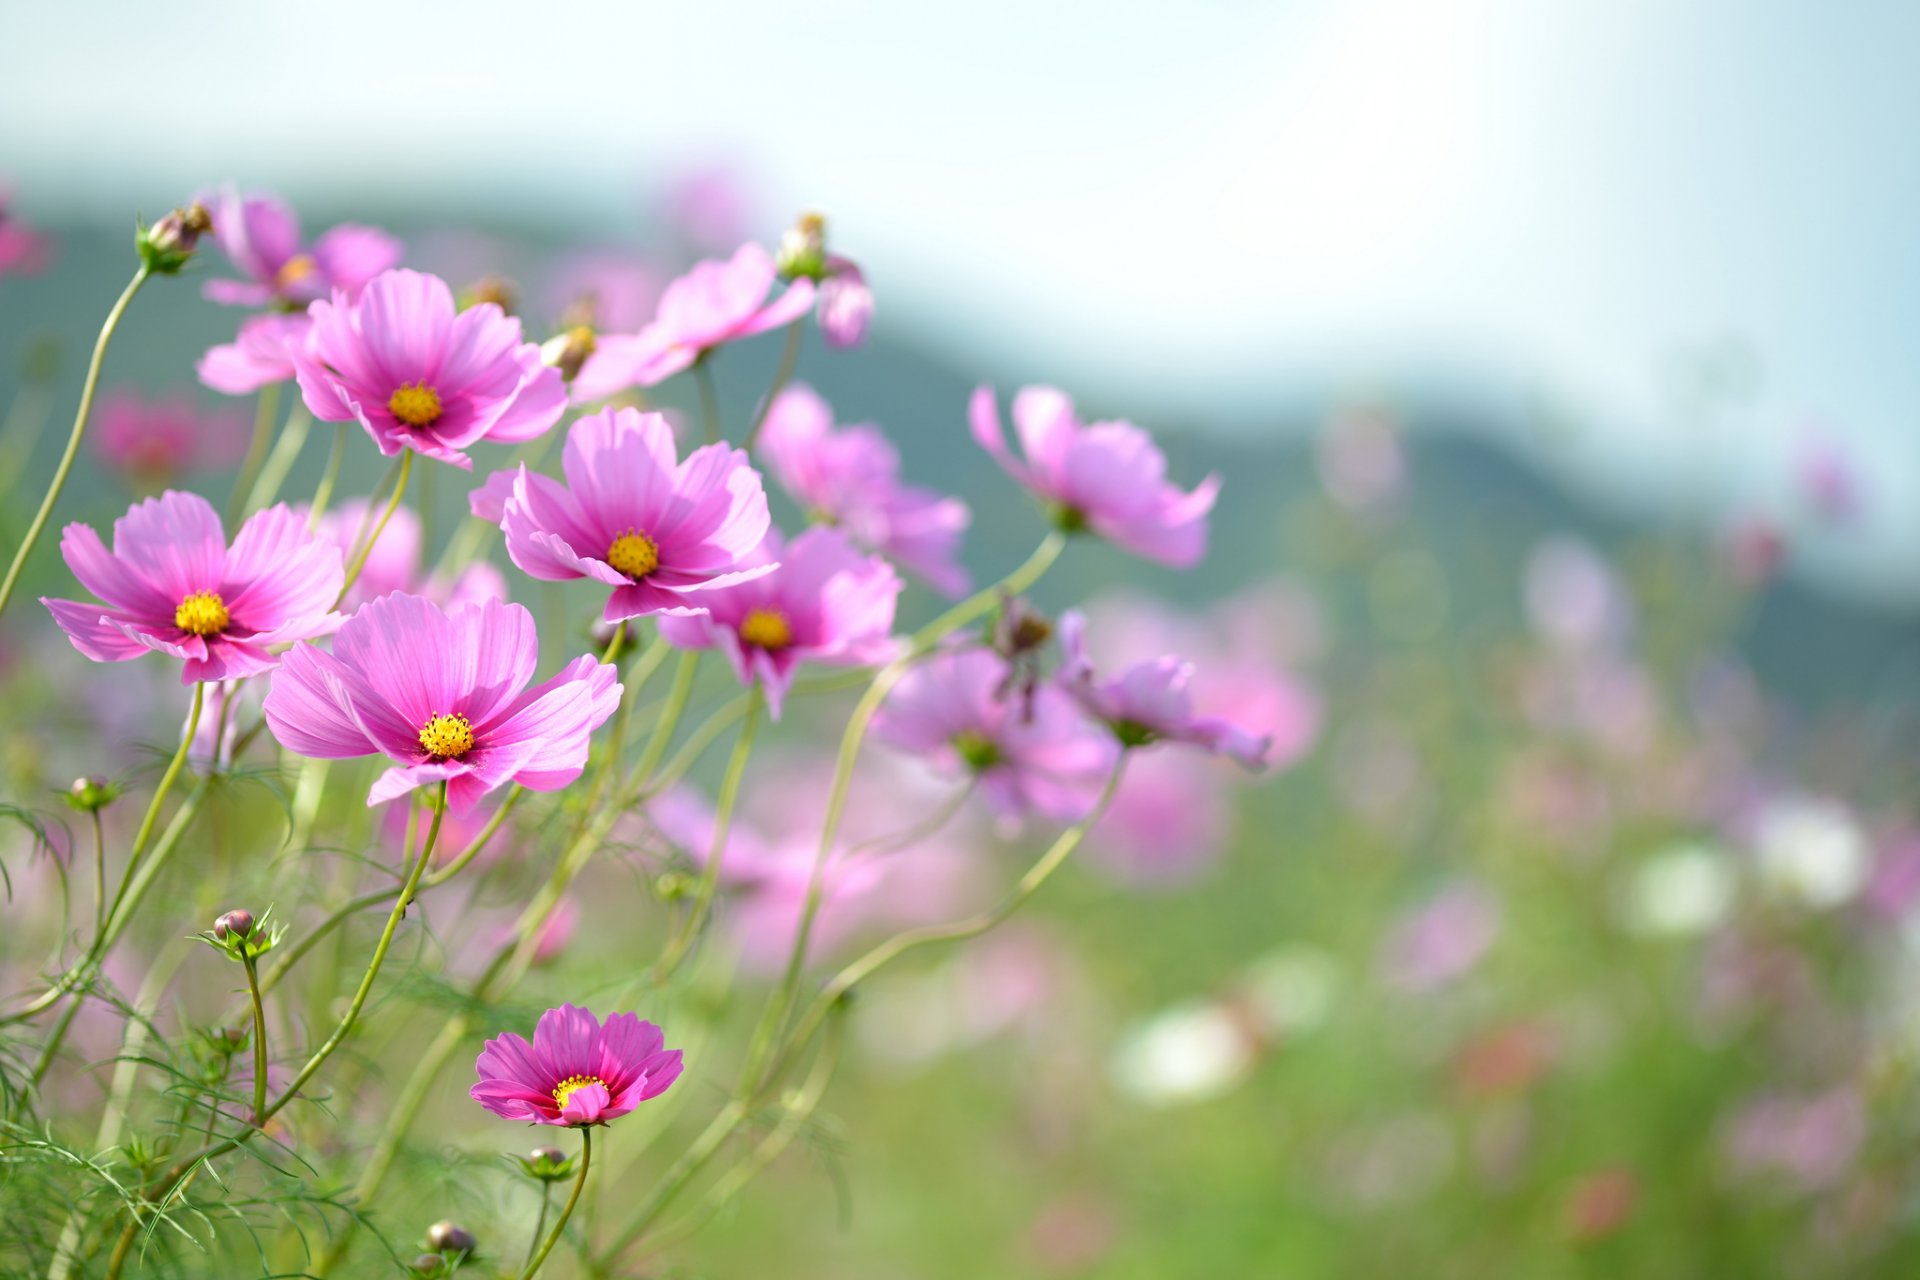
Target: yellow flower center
{"points": [[571, 1085], [294, 270], [414, 403], [203, 613], [447, 737], [634, 554], [766, 628]]}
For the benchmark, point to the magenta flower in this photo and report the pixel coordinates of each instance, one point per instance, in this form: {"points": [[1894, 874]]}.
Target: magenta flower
{"points": [[172, 585], [151, 441], [259, 355], [1105, 476], [23, 251], [417, 375], [846, 303], [959, 712], [576, 1072], [660, 532], [825, 602], [443, 695], [1149, 701], [850, 476], [713, 304], [261, 237]]}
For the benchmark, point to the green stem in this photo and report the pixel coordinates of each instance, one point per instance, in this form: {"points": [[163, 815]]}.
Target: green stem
{"points": [[99, 875], [266, 412], [682, 940], [586, 1159], [789, 356], [293, 438], [676, 705], [323, 494], [259, 1038], [160, 793], [61, 472], [366, 548], [709, 400], [540, 1222]]}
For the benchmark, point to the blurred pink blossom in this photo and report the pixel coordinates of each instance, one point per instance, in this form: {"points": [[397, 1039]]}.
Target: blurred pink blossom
{"points": [[1443, 940], [151, 441]]}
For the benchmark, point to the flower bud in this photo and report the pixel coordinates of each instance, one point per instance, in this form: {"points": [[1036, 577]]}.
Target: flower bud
{"points": [[238, 924], [428, 1264], [90, 795], [569, 350], [448, 1238], [547, 1164], [803, 249], [495, 289], [670, 886], [168, 244]]}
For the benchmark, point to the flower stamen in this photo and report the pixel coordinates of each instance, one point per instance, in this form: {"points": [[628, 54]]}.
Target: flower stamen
{"points": [[202, 613], [447, 737], [766, 629], [571, 1085], [634, 554], [415, 403], [295, 269]]}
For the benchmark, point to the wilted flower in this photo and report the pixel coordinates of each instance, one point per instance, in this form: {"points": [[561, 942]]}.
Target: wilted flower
{"points": [[261, 237], [443, 694], [850, 476], [576, 1072], [1105, 476], [713, 304], [1028, 758], [401, 362], [660, 532], [825, 602], [172, 585]]}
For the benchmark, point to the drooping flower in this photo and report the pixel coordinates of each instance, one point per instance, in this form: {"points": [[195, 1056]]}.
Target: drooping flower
{"points": [[419, 375], [1149, 701], [576, 1072], [1034, 756], [259, 355], [713, 304], [261, 238], [172, 585], [1105, 476], [825, 602], [850, 476], [150, 441], [846, 303], [659, 531], [444, 695]]}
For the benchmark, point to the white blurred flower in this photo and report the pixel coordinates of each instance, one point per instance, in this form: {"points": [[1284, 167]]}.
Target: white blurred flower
{"points": [[1811, 851], [1188, 1053], [1683, 891]]}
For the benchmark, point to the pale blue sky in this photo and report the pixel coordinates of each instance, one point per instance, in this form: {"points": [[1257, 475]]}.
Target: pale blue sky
{"points": [[1199, 208]]}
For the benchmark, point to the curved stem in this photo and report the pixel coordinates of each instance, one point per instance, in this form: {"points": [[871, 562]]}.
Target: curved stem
{"points": [[61, 472], [540, 1223], [709, 400], [789, 356], [366, 548], [160, 792], [323, 494], [293, 438], [682, 940], [586, 1159], [259, 1039], [266, 412], [670, 714]]}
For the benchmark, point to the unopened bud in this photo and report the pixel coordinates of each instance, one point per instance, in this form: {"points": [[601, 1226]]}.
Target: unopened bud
{"points": [[90, 795], [670, 886], [547, 1164], [568, 351], [428, 1264], [803, 249], [168, 244], [448, 1238], [238, 924]]}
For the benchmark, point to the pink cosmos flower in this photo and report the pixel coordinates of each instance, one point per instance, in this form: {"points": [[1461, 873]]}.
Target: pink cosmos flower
{"points": [[1104, 476], [713, 304], [660, 532], [418, 375], [172, 585], [261, 237], [1037, 757], [259, 355], [1149, 701], [851, 477], [443, 695], [23, 251], [825, 602], [846, 304], [151, 441], [576, 1072]]}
